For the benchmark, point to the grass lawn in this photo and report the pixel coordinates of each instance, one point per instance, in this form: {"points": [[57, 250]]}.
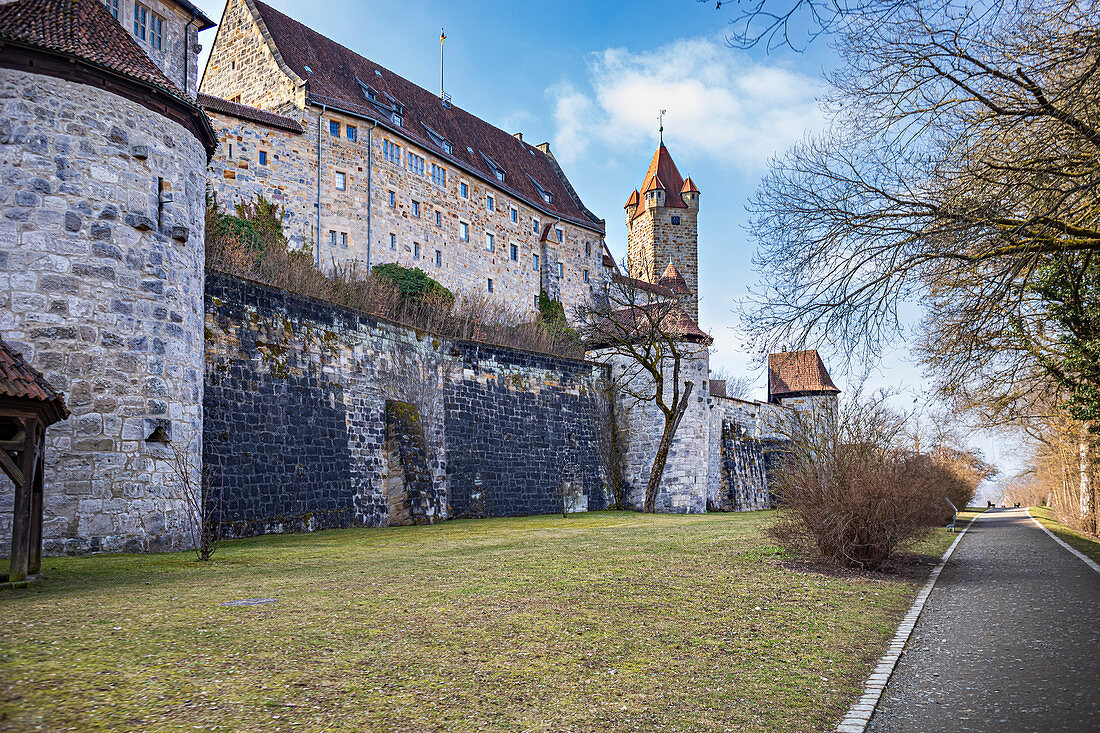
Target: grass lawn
{"points": [[604, 621], [1084, 544]]}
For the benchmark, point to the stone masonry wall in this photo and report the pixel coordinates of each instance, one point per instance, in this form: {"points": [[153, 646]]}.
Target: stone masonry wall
{"points": [[101, 280], [742, 436], [653, 240], [295, 416]]}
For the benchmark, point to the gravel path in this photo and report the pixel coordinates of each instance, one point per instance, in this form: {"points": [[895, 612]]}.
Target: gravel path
{"points": [[1009, 639]]}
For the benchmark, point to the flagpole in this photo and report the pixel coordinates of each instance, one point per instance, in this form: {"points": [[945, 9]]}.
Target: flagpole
{"points": [[442, 37]]}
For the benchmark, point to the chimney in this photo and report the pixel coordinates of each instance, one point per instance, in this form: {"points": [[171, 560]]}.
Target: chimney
{"points": [[545, 148], [518, 136]]}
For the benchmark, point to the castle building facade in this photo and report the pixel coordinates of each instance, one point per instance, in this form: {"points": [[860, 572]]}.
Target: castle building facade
{"points": [[372, 168]]}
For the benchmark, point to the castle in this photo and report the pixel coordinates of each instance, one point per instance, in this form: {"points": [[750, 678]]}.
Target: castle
{"points": [[309, 415]]}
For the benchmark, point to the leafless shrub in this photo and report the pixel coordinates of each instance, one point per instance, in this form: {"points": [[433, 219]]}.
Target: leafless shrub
{"points": [[613, 414], [850, 494], [202, 506]]}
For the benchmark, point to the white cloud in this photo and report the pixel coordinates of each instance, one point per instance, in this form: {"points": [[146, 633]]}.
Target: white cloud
{"points": [[720, 103]]}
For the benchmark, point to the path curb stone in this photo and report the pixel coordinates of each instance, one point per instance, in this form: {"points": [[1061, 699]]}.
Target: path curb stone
{"points": [[859, 715]]}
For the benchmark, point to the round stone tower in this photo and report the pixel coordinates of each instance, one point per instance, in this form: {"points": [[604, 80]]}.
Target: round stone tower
{"points": [[102, 180]]}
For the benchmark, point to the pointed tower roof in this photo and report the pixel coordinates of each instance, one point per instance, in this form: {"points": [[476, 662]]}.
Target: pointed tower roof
{"points": [[798, 372], [689, 186], [662, 171], [634, 199], [673, 280]]}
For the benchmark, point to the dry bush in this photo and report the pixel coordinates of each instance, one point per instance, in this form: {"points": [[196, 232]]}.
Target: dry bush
{"points": [[252, 244], [849, 494]]}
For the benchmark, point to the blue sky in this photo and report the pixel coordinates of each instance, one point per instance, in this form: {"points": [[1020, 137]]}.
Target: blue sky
{"points": [[590, 78]]}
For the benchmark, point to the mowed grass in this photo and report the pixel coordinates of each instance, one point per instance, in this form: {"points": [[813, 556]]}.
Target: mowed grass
{"points": [[600, 622], [1084, 544]]}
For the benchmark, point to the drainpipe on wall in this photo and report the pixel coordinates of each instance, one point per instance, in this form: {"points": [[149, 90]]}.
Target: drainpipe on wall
{"points": [[370, 164], [186, 54], [317, 237]]}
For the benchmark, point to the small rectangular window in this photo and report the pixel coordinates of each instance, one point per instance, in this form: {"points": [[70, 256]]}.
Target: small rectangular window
{"points": [[230, 150], [438, 218], [332, 237], [393, 198], [351, 132], [416, 163], [416, 209], [393, 241], [561, 235], [439, 175], [561, 270], [513, 252], [585, 275], [141, 21], [490, 242], [490, 285], [535, 226], [341, 181], [156, 31], [263, 157], [587, 249], [534, 262], [464, 190], [391, 152], [112, 7], [675, 220], [334, 128], [489, 202], [343, 239], [464, 231], [416, 250], [513, 212], [438, 258]]}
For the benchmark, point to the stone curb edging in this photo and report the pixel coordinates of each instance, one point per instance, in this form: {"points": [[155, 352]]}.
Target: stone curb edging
{"points": [[859, 715], [1084, 558]]}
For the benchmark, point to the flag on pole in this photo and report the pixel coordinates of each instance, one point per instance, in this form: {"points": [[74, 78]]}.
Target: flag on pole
{"points": [[442, 36]]}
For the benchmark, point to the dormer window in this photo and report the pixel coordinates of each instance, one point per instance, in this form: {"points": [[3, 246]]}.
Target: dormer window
{"points": [[368, 91], [441, 142], [546, 195], [397, 119], [498, 172]]}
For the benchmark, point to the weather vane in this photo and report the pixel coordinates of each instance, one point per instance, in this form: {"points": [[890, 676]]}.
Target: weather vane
{"points": [[661, 126]]}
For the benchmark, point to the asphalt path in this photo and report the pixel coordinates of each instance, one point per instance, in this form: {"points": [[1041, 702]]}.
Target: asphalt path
{"points": [[1009, 639]]}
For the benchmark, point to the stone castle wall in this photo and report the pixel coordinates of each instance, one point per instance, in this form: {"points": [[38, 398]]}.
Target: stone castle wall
{"points": [[743, 437], [101, 251], [296, 417], [653, 240]]}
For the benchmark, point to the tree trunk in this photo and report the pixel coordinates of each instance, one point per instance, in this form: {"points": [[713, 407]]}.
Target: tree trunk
{"points": [[672, 422]]}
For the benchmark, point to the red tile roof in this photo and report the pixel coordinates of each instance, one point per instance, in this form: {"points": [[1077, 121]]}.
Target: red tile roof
{"points": [[794, 372], [244, 112], [335, 81], [662, 174], [633, 282], [634, 199], [689, 186], [81, 28], [673, 280], [20, 381], [641, 321]]}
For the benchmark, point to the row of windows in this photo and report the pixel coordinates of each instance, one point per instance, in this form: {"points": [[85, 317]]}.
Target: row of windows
{"points": [[350, 130], [148, 26]]}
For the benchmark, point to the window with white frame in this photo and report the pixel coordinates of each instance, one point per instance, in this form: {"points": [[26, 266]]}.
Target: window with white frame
{"points": [[416, 163], [332, 237], [438, 218], [341, 181], [141, 22], [416, 209], [343, 239], [490, 202], [463, 190], [156, 31], [534, 262], [464, 231], [490, 242], [391, 152], [535, 226], [439, 175], [513, 252], [112, 7], [352, 132], [513, 213], [561, 270]]}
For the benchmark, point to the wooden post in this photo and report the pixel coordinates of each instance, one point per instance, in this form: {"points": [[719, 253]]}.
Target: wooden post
{"points": [[34, 562], [21, 517]]}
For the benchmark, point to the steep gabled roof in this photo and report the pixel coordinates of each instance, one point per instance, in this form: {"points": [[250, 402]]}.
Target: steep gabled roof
{"points": [[338, 77], [673, 280], [662, 174], [798, 372], [634, 199], [244, 112], [689, 186], [81, 28], [20, 381], [641, 321]]}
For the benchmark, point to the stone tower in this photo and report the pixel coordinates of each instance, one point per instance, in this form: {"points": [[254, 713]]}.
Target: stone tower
{"points": [[103, 155], [662, 228]]}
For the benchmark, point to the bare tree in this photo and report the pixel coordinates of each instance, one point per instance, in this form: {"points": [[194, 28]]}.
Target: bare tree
{"points": [[202, 506], [961, 171], [648, 339]]}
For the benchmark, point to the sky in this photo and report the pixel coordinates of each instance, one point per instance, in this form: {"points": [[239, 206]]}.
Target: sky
{"points": [[590, 78]]}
